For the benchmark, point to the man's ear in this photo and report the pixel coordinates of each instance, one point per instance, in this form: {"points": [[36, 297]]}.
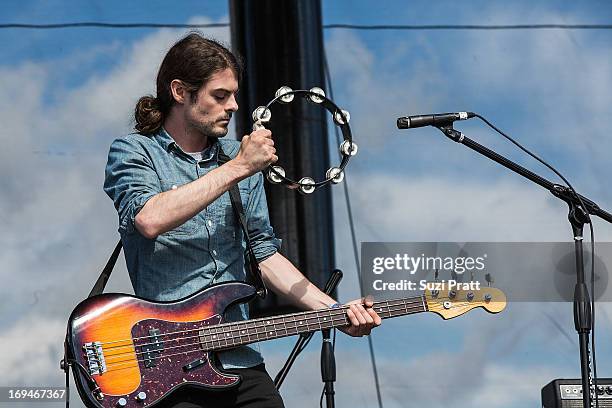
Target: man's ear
{"points": [[179, 92]]}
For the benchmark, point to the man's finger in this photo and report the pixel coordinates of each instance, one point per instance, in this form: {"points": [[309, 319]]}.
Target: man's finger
{"points": [[375, 317], [352, 317], [358, 314], [365, 314]]}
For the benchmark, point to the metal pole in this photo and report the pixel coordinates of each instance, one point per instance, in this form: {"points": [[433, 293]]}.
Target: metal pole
{"points": [[281, 42]]}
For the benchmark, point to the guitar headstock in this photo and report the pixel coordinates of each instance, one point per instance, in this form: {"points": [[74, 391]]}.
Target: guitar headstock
{"points": [[450, 303]]}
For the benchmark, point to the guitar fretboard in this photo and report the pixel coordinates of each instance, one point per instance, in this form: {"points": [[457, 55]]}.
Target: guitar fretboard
{"points": [[229, 335]]}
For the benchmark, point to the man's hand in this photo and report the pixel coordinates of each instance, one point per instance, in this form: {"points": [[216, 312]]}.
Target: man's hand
{"points": [[256, 151], [363, 319]]}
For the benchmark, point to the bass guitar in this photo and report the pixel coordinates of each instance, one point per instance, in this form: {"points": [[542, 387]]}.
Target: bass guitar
{"points": [[129, 352]]}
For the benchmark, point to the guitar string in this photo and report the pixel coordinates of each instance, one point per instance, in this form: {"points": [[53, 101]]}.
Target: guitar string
{"points": [[113, 364], [256, 334], [198, 349], [252, 324], [206, 333], [197, 344], [232, 338], [418, 298]]}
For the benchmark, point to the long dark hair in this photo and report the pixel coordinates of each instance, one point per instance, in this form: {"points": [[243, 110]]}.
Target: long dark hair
{"points": [[192, 60]]}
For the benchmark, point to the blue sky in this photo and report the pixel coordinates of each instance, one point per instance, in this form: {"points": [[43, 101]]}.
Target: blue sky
{"points": [[66, 94]]}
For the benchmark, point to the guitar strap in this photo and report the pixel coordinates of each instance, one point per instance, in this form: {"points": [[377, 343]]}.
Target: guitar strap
{"points": [[255, 275]]}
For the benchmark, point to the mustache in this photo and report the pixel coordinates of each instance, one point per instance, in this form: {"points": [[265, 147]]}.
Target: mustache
{"points": [[228, 117]]}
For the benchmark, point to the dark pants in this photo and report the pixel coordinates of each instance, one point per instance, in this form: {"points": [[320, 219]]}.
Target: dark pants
{"points": [[256, 390]]}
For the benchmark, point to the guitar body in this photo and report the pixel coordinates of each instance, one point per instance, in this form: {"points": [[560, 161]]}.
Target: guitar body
{"points": [[129, 352], [122, 341]]}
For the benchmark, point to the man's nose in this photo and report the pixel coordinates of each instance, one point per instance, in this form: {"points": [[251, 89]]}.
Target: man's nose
{"points": [[232, 105]]}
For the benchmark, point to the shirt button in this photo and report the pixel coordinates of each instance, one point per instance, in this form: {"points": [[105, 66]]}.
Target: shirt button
{"points": [[209, 223], [214, 252]]}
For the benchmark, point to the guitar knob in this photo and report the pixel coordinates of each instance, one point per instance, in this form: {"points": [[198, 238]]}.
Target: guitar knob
{"points": [[609, 390], [122, 402], [141, 396]]}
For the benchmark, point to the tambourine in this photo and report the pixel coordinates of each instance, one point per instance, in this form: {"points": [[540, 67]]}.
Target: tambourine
{"points": [[306, 185]]}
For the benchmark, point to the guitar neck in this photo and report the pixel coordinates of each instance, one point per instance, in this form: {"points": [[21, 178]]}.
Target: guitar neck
{"points": [[229, 335]]}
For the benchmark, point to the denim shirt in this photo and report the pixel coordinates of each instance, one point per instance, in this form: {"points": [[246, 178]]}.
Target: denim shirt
{"points": [[208, 248]]}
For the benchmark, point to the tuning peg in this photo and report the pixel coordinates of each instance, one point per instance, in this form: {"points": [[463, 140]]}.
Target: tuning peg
{"points": [[436, 274], [452, 294], [489, 279], [470, 296]]}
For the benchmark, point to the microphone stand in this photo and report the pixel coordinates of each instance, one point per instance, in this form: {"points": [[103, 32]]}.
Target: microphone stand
{"points": [[330, 287], [577, 217], [328, 367]]}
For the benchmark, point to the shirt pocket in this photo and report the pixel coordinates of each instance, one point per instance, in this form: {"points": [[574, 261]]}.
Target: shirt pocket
{"points": [[189, 226]]}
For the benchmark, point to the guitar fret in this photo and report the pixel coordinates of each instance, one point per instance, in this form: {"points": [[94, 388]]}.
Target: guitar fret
{"points": [[296, 326], [234, 334]]}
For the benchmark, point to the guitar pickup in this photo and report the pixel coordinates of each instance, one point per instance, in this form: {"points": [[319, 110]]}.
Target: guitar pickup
{"points": [[153, 349], [195, 364]]}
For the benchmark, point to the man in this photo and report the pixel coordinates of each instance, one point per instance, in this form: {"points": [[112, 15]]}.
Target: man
{"points": [[177, 225]]}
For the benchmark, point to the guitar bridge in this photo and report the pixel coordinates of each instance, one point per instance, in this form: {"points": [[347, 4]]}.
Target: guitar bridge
{"points": [[94, 355]]}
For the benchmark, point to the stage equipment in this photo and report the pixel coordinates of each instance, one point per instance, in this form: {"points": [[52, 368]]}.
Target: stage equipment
{"points": [[579, 209], [567, 393], [302, 342], [334, 175], [436, 119]]}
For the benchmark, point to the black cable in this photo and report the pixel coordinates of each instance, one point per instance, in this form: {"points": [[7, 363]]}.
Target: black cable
{"points": [[110, 25], [470, 26], [590, 223], [370, 27], [353, 235]]}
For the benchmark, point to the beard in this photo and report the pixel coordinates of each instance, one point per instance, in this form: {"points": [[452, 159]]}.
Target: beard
{"points": [[209, 129], [212, 128]]}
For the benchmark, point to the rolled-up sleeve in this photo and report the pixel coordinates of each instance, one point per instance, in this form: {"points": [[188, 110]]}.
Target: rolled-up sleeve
{"points": [[264, 243], [130, 180]]}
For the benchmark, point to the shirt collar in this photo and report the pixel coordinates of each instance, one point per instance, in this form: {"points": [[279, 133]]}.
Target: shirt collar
{"points": [[167, 142]]}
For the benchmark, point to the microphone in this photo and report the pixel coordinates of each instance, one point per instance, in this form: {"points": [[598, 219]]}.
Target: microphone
{"points": [[437, 119]]}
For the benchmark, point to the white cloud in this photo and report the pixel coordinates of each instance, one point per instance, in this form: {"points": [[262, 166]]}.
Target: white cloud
{"points": [[58, 225], [31, 351]]}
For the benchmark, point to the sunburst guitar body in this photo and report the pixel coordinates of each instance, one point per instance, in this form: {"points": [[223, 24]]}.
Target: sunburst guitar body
{"points": [[129, 352]]}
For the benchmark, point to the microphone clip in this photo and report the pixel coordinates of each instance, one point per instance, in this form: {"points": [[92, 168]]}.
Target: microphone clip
{"points": [[451, 133]]}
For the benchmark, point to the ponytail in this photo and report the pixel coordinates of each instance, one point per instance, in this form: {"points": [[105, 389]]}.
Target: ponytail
{"points": [[149, 118]]}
